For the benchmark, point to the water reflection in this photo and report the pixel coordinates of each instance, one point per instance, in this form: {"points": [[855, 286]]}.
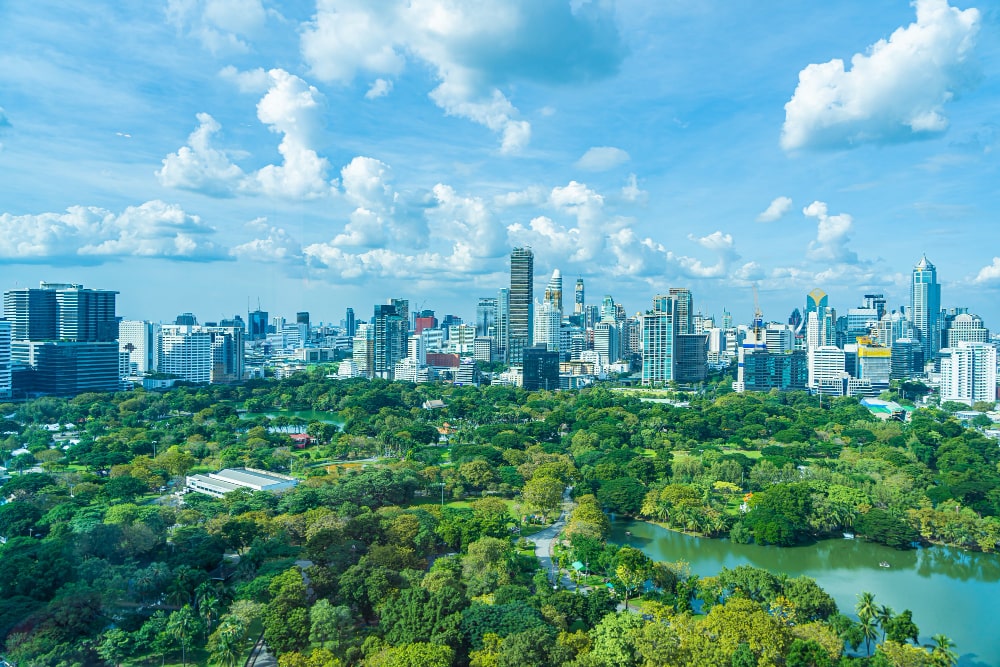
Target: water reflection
{"points": [[949, 591]]}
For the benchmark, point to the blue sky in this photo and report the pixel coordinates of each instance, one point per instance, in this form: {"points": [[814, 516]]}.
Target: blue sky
{"points": [[199, 154]]}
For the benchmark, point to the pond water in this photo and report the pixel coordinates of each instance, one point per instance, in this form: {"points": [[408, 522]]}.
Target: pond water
{"points": [[949, 591], [308, 415]]}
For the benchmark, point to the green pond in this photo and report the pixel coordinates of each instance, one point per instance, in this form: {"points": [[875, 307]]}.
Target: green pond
{"points": [[949, 591], [307, 415]]}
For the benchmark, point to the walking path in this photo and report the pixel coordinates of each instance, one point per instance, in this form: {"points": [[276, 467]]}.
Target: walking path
{"points": [[544, 540]]}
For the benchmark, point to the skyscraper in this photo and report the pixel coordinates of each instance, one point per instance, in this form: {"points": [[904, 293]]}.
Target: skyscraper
{"points": [[258, 324], [925, 306], [553, 292], [486, 315], [139, 339], [578, 298], [63, 339], [390, 340], [5, 370], [522, 276], [503, 323], [350, 324], [815, 300], [969, 373], [658, 333], [683, 309]]}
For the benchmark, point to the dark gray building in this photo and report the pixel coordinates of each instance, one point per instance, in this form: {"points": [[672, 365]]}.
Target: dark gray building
{"points": [[540, 368]]}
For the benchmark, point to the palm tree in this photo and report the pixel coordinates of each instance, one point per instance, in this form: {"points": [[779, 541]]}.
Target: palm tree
{"points": [[227, 642], [181, 626], [942, 653], [869, 630], [884, 614], [866, 607]]}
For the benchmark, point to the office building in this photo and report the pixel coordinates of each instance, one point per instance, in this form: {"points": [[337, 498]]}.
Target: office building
{"points": [[690, 358], [548, 321], [925, 306], [961, 327], [540, 369], [826, 371], [486, 315], [350, 323], [579, 298], [553, 292], [683, 309], [185, 351], [785, 371], [257, 320], [606, 342], [63, 339], [969, 373], [874, 363], [503, 323], [364, 349], [521, 317], [816, 300]]}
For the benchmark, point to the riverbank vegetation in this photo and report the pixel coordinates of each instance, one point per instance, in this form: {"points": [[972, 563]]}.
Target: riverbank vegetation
{"points": [[402, 543]]}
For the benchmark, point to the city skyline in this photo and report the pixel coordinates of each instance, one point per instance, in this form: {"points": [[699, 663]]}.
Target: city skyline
{"points": [[201, 155]]}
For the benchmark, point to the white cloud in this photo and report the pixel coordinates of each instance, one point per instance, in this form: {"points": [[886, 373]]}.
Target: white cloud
{"points": [[291, 107], [474, 48], [277, 246], [250, 81], [379, 88], [92, 234], [831, 236], [200, 167], [776, 210], [533, 195], [897, 91], [989, 274], [220, 25], [631, 191], [366, 183], [602, 158], [466, 221]]}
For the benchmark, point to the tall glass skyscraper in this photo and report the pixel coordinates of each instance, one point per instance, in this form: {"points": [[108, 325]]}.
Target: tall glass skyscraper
{"points": [[925, 306], [522, 295]]}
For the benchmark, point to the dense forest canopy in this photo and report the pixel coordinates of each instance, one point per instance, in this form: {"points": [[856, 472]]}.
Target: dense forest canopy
{"points": [[407, 540]]}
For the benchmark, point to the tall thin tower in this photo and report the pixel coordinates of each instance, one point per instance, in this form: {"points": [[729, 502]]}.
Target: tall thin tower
{"points": [[522, 277], [925, 306]]}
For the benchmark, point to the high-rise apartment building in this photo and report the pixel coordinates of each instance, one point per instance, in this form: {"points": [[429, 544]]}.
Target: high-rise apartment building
{"points": [[138, 339], [503, 323], [522, 276], [196, 353], [6, 387], [969, 373], [925, 306], [390, 340], [658, 337]]}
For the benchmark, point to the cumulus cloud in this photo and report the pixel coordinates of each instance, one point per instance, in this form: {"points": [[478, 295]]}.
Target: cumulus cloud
{"points": [[466, 221], [895, 92], [989, 274], [602, 158], [276, 245], [291, 108], [474, 48], [93, 235], [220, 25], [832, 235], [200, 167], [776, 210], [379, 88]]}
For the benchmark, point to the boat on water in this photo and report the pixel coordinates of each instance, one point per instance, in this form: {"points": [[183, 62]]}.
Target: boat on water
{"points": [[848, 536], [883, 564]]}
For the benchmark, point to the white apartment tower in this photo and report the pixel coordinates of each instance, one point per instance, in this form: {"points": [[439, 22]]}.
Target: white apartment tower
{"points": [[969, 373]]}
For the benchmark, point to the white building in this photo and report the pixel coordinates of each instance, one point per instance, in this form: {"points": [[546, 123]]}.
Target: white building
{"points": [[185, 351], [547, 323], [826, 370], [969, 373], [5, 370], [220, 483], [138, 339], [364, 349]]}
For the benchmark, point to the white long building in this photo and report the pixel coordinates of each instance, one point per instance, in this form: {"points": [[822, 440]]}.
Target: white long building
{"points": [[220, 483], [969, 373]]}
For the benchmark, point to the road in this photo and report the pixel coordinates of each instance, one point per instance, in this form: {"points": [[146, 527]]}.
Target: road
{"points": [[544, 540]]}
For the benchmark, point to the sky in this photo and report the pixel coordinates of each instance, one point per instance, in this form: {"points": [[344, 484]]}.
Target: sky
{"points": [[209, 155]]}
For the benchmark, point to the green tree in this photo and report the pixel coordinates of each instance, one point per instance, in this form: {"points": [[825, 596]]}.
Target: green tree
{"points": [[632, 569], [543, 494], [115, 646], [183, 625], [942, 652]]}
